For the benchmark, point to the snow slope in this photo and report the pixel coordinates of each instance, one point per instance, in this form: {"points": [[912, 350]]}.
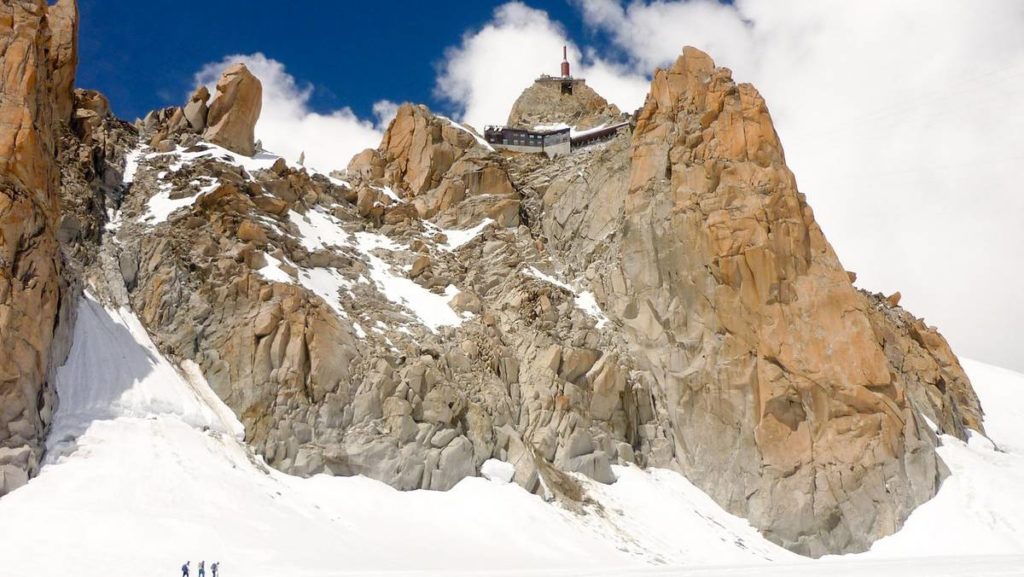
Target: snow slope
{"points": [[980, 508], [145, 470]]}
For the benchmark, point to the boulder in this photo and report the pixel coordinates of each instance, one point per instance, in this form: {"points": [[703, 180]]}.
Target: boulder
{"points": [[466, 301], [196, 109], [231, 121], [455, 464], [434, 163]]}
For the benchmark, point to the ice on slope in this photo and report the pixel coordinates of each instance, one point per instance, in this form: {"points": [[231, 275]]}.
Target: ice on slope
{"points": [[160, 206], [319, 230], [127, 377], [131, 164], [273, 272], [259, 161], [326, 283]]}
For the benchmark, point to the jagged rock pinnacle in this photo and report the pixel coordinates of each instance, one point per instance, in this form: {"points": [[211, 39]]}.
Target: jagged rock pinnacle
{"points": [[231, 122]]}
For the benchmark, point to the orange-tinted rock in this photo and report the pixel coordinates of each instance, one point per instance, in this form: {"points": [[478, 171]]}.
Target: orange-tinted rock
{"points": [[433, 162], [38, 57], [63, 19], [231, 121], [736, 302]]}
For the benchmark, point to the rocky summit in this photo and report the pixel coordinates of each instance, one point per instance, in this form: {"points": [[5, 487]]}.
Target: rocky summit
{"points": [[663, 298]]}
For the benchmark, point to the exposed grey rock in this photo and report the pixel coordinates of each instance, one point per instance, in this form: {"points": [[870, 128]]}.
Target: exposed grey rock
{"points": [[196, 110], [455, 464]]}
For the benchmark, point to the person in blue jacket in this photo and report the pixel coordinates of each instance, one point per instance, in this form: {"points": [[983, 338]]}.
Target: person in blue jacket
{"points": [[184, 569]]}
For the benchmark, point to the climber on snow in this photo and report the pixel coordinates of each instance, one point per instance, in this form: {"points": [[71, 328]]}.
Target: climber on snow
{"points": [[184, 569], [202, 569], [213, 568]]}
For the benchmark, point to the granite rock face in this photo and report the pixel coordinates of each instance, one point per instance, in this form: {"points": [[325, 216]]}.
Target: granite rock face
{"points": [[196, 110], [355, 380], [774, 367], [38, 46]]}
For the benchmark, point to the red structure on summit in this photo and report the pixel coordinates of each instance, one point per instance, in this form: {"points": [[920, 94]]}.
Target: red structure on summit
{"points": [[565, 63]]}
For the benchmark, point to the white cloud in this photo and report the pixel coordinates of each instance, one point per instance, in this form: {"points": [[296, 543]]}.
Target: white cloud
{"points": [[385, 111], [901, 121], [287, 126]]}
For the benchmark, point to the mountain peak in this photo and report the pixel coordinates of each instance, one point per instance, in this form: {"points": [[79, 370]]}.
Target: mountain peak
{"points": [[561, 100]]}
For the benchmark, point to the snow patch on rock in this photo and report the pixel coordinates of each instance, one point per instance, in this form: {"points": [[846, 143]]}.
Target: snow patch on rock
{"points": [[584, 300]]}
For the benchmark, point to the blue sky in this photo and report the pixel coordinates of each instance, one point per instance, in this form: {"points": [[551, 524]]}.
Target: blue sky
{"points": [[143, 54]]}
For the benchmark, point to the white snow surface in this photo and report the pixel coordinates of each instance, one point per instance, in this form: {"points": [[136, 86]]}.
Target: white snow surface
{"points": [[272, 271], [429, 308], [573, 131], [497, 471], [326, 283], [980, 508], [259, 161], [128, 378], [319, 230], [459, 237], [131, 164], [146, 470], [160, 206]]}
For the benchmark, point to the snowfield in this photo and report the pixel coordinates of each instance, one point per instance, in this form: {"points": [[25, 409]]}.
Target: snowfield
{"points": [[146, 470]]}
